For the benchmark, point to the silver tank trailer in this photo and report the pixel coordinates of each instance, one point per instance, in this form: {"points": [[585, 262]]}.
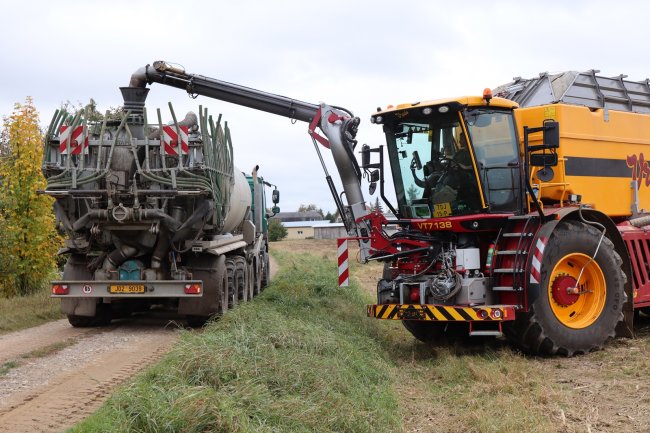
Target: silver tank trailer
{"points": [[136, 192]]}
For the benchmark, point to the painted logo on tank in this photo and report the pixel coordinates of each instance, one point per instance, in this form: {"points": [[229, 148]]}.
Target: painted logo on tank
{"points": [[640, 168]]}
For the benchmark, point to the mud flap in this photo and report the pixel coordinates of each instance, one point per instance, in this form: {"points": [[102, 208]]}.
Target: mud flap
{"points": [[79, 306]]}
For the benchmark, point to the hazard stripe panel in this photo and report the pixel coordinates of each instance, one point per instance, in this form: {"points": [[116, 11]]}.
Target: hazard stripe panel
{"points": [[441, 313]]}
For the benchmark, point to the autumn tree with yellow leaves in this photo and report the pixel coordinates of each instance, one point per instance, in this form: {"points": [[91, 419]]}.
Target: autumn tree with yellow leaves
{"points": [[28, 239]]}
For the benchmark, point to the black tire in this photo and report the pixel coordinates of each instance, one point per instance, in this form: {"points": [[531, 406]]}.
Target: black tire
{"points": [[430, 332], [541, 331], [241, 275], [196, 321], [231, 270], [81, 321], [103, 317], [266, 271], [257, 276]]}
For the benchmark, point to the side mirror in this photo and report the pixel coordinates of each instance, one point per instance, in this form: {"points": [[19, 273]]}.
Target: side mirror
{"points": [[543, 159], [551, 135], [275, 210], [275, 197], [365, 156], [373, 179], [415, 162]]}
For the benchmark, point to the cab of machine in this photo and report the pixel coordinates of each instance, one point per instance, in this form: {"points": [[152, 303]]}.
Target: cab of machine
{"points": [[454, 157]]}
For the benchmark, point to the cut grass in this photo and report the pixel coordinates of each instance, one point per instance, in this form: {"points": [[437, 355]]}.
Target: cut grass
{"points": [[302, 357], [23, 312]]}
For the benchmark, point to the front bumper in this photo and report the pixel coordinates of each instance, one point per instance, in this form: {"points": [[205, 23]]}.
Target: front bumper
{"points": [[442, 313]]}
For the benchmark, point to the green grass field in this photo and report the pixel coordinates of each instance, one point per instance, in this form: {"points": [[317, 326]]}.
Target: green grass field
{"points": [[303, 357], [26, 311]]}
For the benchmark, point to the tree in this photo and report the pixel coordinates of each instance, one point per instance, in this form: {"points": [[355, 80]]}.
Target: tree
{"points": [[377, 206], [277, 231], [28, 238], [311, 207], [412, 193]]}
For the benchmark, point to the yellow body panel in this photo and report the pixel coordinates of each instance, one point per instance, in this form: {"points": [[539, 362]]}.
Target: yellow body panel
{"points": [[598, 150]]}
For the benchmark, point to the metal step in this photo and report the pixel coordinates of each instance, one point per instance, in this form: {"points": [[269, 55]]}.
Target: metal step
{"points": [[522, 217], [507, 271], [510, 252], [516, 235], [486, 334], [506, 289]]}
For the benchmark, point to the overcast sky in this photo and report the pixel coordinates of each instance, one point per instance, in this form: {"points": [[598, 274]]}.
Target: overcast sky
{"points": [[355, 54]]}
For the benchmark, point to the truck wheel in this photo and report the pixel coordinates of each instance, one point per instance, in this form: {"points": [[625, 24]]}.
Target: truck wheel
{"points": [[231, 271], [250, 277], [81, 321], [103, 317], [257, 276], [266, 271], [241, 274], [560, 322]]}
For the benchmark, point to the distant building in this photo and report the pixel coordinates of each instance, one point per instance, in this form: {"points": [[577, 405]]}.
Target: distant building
{"points": [[298, 216], [302, 229]]}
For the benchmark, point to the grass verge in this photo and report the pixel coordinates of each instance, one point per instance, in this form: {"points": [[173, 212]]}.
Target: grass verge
{"points": [[26, 311], [302, 357]]}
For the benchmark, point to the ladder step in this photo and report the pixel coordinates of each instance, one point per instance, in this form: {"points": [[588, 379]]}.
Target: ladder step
{"points": [[516, 235], [485, 334], [507, 271], [522, 217], [510, 252], [506, 289]]}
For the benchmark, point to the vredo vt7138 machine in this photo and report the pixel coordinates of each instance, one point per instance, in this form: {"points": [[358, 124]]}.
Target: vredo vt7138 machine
{"points": [[520, 215]]}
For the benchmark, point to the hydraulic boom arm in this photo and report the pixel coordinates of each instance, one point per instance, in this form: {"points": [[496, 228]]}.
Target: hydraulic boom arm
{"points": [[338, 125]]}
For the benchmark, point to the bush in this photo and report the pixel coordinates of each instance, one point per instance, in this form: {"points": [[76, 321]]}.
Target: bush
{"points": [[277, 231]]}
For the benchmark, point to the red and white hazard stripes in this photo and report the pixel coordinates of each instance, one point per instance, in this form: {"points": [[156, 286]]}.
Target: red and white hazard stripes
{"points": [[536, 264], [344, 276], [171, 139], [72, 138]]}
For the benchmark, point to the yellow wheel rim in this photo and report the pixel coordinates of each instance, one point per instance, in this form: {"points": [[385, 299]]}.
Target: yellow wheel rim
{"points": [[577, 310]]}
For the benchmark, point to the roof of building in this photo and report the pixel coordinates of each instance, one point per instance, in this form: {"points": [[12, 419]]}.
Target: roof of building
{"points": [[299, 216], [304, 223]]}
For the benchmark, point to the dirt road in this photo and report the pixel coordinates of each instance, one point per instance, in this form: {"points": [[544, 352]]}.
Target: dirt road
{"points": [[62, 374], [53, 376]]}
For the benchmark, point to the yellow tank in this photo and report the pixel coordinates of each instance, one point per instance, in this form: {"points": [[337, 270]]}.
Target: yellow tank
{"points": [[602, 156], [604, 131]]}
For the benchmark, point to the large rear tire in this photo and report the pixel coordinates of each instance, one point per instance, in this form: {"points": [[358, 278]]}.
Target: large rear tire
{"points": [[561, 321]]}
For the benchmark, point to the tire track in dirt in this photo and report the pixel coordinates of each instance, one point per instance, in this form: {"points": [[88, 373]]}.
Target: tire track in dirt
{"points": [[53, 393]]}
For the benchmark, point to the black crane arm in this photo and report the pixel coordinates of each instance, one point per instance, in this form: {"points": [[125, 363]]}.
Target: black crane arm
{"points": [[337, 124], [163, 73]]}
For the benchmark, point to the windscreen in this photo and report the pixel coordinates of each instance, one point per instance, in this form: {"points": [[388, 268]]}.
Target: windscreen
{"points": [[432, 167]]}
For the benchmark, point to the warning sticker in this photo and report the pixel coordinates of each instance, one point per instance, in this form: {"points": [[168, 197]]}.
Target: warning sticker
{"points": [[549, 113]]}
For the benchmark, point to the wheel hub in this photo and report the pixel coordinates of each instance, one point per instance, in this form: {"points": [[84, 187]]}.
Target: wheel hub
{"points": [[560, 290]]}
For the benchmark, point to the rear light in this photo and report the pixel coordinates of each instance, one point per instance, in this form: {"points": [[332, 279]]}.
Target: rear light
{"points": [[414, 296], [482, 314], [60, 289], [496, 314], [192, 289]]}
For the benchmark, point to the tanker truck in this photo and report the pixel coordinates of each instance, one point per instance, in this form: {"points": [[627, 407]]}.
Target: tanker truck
{"points": [[524, 215], [153, 213]]}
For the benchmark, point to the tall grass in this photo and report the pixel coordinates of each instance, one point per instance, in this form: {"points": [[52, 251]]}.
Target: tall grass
{"points": [[22, 312], [302, 357]]}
